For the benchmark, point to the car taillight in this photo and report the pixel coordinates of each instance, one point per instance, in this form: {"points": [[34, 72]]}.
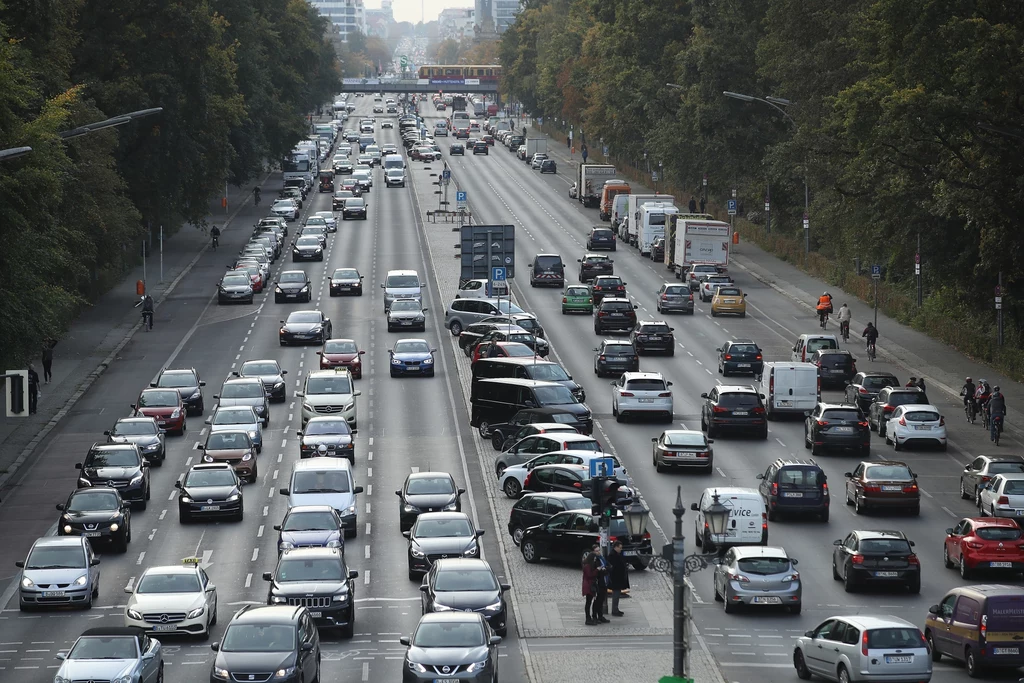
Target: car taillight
{"points": [[864, 643], [822, 423], [974, 545], [757, 357], [759, 411], [664, 297], [529, 478], [912, 488], [601, 358], [691, 297], [818, 363], [647, 535], [903, 421], [738, 577], [942, 422], [984, 479], [983, 629], [862, 424], [665, 394], [857, 559], [577, 485], [862, 390], [703, 454], [627, 393], [728, 356], [564, 300], [597, 288], [824, 489], [601, 314], [1003, 500], [888, 409], [872, 489], [764, 521], [912, 559], [775, 489], [719, 409]]}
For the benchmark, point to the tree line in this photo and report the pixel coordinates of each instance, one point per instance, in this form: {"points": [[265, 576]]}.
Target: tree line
{"points": [[235, 79], [904, 116]]}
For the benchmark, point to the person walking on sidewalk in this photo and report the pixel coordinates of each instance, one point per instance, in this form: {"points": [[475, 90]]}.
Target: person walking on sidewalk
{"points": [[703, 203], [33, 389], [618, 578], [48, 359], [693, 204], [590, 588], [256, 195]]}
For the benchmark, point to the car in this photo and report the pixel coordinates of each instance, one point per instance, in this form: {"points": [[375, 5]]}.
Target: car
{"points": [[355, 207], [876, 557], [864, 648], [145, 433], [59, 571], [238, 418], [346, 281], [173, 600], [412, 357], [342, 353], [406, 314], [615, 313], [427, 492], [209, 490], [394, 177], [112, 653], [600, 238], [165, 405], [653, 335], [914, 424], [758, 577], [697, 272], [795, 486], [507, 333], [423, 153], [658, 249], [740, 356], [261, 637], [887, 400], [339, 198], [536, 159], [981, 470], [329, 392], [377, 109], [547, 269], [607, 286], [303, 327], [527, 321], [327, 436], [641, 393], [477, 289], [351, 184], [837, 425], [329, 220], [342, 166], [502, 349], [886, 485], [478, 330], [1002, 496], [388, 123], [320, 580], [983, 544], [234, 447], [308, 248], [536, 508], [467, 584], [548, 166], [117, 465], [733, 408], [438, 535], [293, 193], [364, 178], [99, 514], [235, 287], [457, 148], [253, 272], [270, 373], [569, 536], [480, 147], [710, 284], [592, 265], [293, 285], [318, 231], [577, 299], [683, 449], [864, 387], [246, 391], [368, 159], [728, 300], [835, 367], [461, 313], [512, 479], [460, 641], [310, 526], [286, 209]]}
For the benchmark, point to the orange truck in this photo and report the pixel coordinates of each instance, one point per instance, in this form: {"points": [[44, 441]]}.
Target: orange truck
{"points": [[608, 192]]}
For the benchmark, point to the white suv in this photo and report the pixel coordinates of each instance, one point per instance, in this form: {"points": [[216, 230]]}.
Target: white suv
{"points": [[512, 479], [642, 393], [329, 393]]}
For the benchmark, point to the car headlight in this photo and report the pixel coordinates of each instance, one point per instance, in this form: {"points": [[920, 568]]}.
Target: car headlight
{"points": [[67, 528], [233, 497], [82, 481], [285, 545], [278, 290], [318, 250], [415, 552], [417, 667], [349, 406], [196, 612], [27, 582], [316, 329], [196, 394], [451, 506], [410, 508], [307, 407], [278, 385], [334, 544], [133, 614], [252, 434], [137, 479], [396, 361], [81, 580], [247, 457], [60, 679], [438, 607], [476, 666], [114, 527], [471, 551], [127, 678], [185, 499], [493, 608], [341, 597], [220, 673], [285, 673], [304, 288], [153, 447], [350, 510], [277, 600], [207, 458], [428, 361], [176, 413]]}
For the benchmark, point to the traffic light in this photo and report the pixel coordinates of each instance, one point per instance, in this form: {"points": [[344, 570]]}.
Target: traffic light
{"points": [[610, 495], [595, 495]]}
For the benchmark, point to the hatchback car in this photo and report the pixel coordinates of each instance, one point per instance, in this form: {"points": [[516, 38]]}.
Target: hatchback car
{"points": [[293, 285], [166, 405], [887, 485], [234, 287], [145, 433], [99, 514], [235, 448], [733, 408], [307, 249], [569, 536], [304, 327], [651, 336], [444, 642], [346, 281], [1002, 496], [457, 148], [120, 466], [916, 425], [427, 492], [728, 301], [615, 314], [758, 577], [613, 357], [270, 373], [864, 387], [440, 535], [835, 367], [607, 286], [318, 579], [235, 418], [592, 265], [740, 356], [863, 648], [535, 508], [513, 478], [683, 449], [342, 353], [983, 468], [480, 147], [876, 557], [327, 436], [795, 486], [709, 286], [832, 425], [406, 314], [554, 438], [658, 250], [310, 526], [209, 490], [466, 584], [356, 207], [548, 166], [989, 544], [113, 653], [642, 393], [576, 298], [59, 571], [601, 238], [887, 400], [674, 298], [261, 637]]}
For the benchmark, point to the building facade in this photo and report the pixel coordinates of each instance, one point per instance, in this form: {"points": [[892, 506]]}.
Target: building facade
{"points": [[349, 16], [504, 13], [457, 22]]}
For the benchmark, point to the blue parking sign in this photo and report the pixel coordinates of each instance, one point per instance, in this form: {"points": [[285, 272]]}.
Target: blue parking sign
{"points": [[498, 274], [602, 467]]}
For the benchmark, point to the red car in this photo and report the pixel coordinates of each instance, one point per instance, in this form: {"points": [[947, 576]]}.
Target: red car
{"points": [[165, 405], [502, 349], [342, 353], [489, 139], [984, 543], [255, 276]]}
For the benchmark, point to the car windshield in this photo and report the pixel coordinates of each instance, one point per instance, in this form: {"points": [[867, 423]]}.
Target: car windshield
{"points": [[443, 528], [841, 415], [879, 383], [554, 396], [402, 281], [800, 476], [354, 203], [235, 281], [618, 350], [645, 385], [412, 346], [134, 428], [1013, 487], [885, 545], [818, 344], [607, 282], [283, 203], [53, 557], [293, 277], [449, 634], [1005, 467], [763, 565], [242, 390], [219, 441], [684, 439], [346, 274], [921, 416], [177, 379], [406, 306], [729, 291], [506, 307], [154, 582], [895, 638], [546, 372], [465, 580], [310, 521], [159, 399], [307, 242], [92, 502], [202, 478], [321, 482], [234, 416], [654, 329], [339, 384], [548, 262], [597, 259], [330, 426], [743, 348], [112, 457], [998, 533], [260, 368], [577, 291], [104, 647], [340, 346], [430, 486], [616, 306], [305, 317], [258, 638], [738, 400], [321, 569], [517, 350], [888, 473]]}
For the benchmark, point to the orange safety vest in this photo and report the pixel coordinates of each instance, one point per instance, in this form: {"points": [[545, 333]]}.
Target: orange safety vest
{"points": [[824, 302]]}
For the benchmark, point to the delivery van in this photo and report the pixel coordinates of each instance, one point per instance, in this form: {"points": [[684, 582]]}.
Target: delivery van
{"points": [[789, 388], [747, 523]]}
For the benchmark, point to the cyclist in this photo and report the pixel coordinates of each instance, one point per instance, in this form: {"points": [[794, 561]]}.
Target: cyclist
{"points": [[997, 412], [256, 195], [844, 316], [824, 307], [215, 234], [970, 406], [147, 310], [981, 396], [870, 335]]}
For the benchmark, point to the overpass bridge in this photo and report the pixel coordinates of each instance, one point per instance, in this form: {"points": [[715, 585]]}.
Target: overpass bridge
{"points": [[421, 85]]}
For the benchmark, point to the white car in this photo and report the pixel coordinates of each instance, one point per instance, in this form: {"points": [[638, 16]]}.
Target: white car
{"points": [[710, 285], [329, 392], [642, 393], [394, 177], [537, 158], [387, 124], [286, 209], [513, 477], [329, 219], [913, 424], [174, 599], [477, 289], [1002, 487]]}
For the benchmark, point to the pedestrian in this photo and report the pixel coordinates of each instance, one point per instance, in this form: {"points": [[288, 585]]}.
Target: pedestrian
{"points": [[703, 202], [590, 588], [568, 141], [693, 205], [601, 598], [33, 389], [920, 383], [48, 359], [618, 577]]}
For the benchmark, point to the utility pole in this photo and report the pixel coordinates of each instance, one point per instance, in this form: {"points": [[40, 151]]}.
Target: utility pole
{"points": [[917, 268], [999, 309], [680, 610]]}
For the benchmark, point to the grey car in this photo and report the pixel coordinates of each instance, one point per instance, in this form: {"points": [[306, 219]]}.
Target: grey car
{"points": [[451, 641], [461, 313], [145, 433], [235, 287], [440, 535], [675, 298], [406, 314], [981, 470], [245, 391], [758, 577], [310, 526], [863, 648], [60, 571], [123, 653], [270, 373], [235, 418]]}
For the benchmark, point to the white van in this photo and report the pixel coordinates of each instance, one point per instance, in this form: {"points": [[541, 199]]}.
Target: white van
{"points": [[393, 161], [807, 344], [789, 388], [401, 284], [441, 129], [748, 518], [619, 205]]}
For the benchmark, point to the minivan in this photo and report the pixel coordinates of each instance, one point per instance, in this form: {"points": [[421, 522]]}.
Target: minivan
{"points": [[494, 401], [547, 269], [789, 388], [807, 344], [527, 368], [393, 161], [325, 481], [747, 523], [401, 284], [982, 626], [795, 486]]}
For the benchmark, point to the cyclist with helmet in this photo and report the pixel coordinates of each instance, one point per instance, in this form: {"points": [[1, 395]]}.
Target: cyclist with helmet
{"points": [[967, 392], [824, 307], [997, 413]]}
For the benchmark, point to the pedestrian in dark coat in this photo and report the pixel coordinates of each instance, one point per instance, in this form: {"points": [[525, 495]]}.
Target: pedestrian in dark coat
{"points": [[703, 202], [590, 587], [33, 389], [693, 205], [48, 359], [618, 579]]}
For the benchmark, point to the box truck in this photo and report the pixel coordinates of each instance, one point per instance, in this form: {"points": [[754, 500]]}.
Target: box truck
{"points": [[701, 241]]}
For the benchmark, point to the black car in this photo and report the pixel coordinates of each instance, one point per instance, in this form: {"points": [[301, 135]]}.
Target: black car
{"points": [[453, 640], [466, 585], [592, 265], [427, 492], [339, 198], [188, 384], [887, 400], [733, 408], [740, 356], [652, 336], [794, 486], [835, 367], [319, 580], [614, 314], [864, 387], [548, 166], [333, 433], [480, 147], [607, 286], [117, 465], [457, 148], [354, 208], [658, 249], [515, 141], [568, 536], [209, 490], [346, 281], [308, 248], [440, 535], [876, 557], [235, 286], [536, 508], [98, 513], [504, 434], [305, 327], [981, 470], [263, 639], [145, 433], [832, 425], [614, 357], [270, 373], [343, 167], [293, 285], [601, 238]]}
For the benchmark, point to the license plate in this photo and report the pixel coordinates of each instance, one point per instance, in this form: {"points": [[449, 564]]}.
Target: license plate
{"points": [[629, 553], [922, 426], [765, 600], [892, 488], [406, 322], [887, 575], [899, 659], [1001, 565], [447, 680], [163, 627], [53, 594], [743, 365], [836, 371], [646, 400], [740, 412], [785, 404], [654, 339], [92, 534], [843, 430], [316, 615], [792, 494], [209, 508], [1006, 650], [344, 289]]}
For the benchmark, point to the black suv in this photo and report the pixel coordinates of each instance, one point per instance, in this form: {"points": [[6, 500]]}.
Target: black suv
{"points": [[601, 238], [457, 148], [835, 367], [740, 356], [427, 492], [653, 335], [263, 640], [837, 425], [606, 286], [794, 485], [99, 514], [117, 465], [535, 508], [875, 557], [592, 265], [733, 408], [188, 384], [480, 147], [864, 387], [319, 580], [886, 402], [614, 357], [614, 314]]}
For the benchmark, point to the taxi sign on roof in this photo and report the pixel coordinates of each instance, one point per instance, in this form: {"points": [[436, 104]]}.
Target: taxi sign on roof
{"points": [[194, 561]]}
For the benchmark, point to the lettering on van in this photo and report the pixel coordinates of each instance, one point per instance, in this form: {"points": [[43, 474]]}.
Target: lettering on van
{"points": [[742, 512]]}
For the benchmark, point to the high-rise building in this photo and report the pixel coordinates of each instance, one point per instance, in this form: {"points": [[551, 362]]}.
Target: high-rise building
{"points": [[504, 13], [484, 15], [378, 21], [349, 16], [456, 22]]}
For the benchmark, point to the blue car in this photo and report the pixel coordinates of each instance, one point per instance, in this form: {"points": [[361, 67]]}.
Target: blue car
{"points": [[412, 357]]}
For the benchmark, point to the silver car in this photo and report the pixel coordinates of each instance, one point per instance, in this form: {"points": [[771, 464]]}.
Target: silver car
{"points": [[124, 654], [59, 571], [246, 391], [235, 418], [1003, 496], [758, 576], [863, 648], [310, 526], [406, 314]]}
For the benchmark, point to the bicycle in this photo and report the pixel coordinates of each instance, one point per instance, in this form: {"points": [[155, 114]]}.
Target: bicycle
{"points": [[871, 351], [985, 418], [844, 330], [216, 242], [996, 429], [971, 410], [823, 318], [147, 320]]}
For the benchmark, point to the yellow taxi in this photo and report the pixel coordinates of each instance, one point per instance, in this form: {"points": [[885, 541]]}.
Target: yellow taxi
{"points": [[729, 300]]}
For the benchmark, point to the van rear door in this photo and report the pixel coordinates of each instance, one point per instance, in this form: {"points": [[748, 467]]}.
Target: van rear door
{"points": [[745, 519], [794, 387]]}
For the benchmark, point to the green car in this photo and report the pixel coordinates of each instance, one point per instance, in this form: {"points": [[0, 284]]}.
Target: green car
{"points": [[577, 298]]}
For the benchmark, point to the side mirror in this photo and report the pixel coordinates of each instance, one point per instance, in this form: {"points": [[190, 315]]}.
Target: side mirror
{"points": [[848, 475], [693, 506], [404, 640], [759, 476], [934, 609], [177, 484], [62, 655], [152, 384], [635, 307], [216, 396], [267, 576], [358, 489], [277, 527], [128, 590], [382, 285], [362, 352], [132, 406], [307, 647], [670, 384], [480, 532], [406, 533], [809, 634], [461, 491], [94, 562], [949, 531], [704, 395], [60, 506], [838, 541], [19, 564], [284, 372], [398, 493], [495, 640], [298, 432], [423, 588], [107, 432], [794, 561], [353, 574], [357, 393], [283, 492], [807, 413]]}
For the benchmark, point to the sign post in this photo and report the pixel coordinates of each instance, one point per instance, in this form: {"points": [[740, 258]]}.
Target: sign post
{"points": [[999, 309], [876, 275], [807, 234], [767, 215]]}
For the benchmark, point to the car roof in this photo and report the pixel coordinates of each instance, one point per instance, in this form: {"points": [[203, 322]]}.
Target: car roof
{"points": [[564, 495], [1002, 458], [829, 406], [211, 466], [614, 299], [131, 631], [314, 553], [334, 372], [243, 380], [733, 491], [520, 382], [994, 521], [744, 551], [642, 375], [457, 563], [1012, 476], [264, 614], [736, 388], [565, 465], [591, 254], [568, 436], [425, 475], [308, 509], [138, 419], [171, 569], [325, 418], [450, 617], [869, 622], [652, 322], [60, 541], [327, 463], [869, 463], [444, 515], [879, 533], [292, 272]]}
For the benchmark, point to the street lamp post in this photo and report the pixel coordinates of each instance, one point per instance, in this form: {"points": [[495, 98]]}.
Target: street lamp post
{"points": [[118, 120]]}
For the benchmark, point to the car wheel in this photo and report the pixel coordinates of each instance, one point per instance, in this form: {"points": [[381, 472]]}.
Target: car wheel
{"points": [[529, 551], [484, 428], [848, 585], [965, 572], [946, 561], [843, 674], [499, 469], [497, 441], [835, 572], [160, 674], [802, 672], [936, 655], [881, 430], [807, 439], [512, 488], [824, 515], [858, 507], [963, 490], [895, 443], [971, 663], [517, 535], [815, 449]]}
